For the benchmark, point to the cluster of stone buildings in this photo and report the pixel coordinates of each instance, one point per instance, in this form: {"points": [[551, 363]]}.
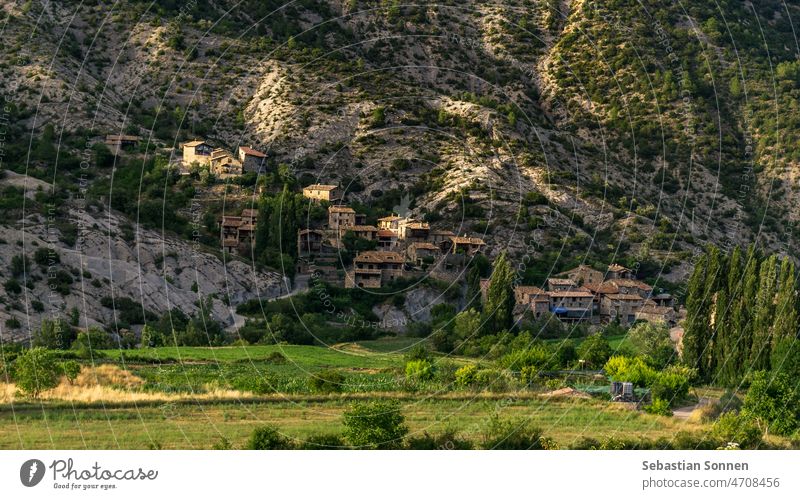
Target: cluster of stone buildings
{"points": [[586, 294], [402, 244], [220, 161]]}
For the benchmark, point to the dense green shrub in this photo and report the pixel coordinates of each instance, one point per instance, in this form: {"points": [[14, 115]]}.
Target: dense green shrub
{"points": [[327, 381], [268, 438], [635, 370], [671, 387], [740, 429], [252, 332], [418, 352], [513, 434], [419, 370], [151, 337], [46, 257], [71, 369], [595, 351], [56, 335], [276, 358], [222, 444], [658, 406], [92, 339], [497, 380], [60, 281], [447, 440], [257, 384], [12, 286], [375, 425], [465, 375], [127, 310], [653, 341], [774, 400], [537, 356]]}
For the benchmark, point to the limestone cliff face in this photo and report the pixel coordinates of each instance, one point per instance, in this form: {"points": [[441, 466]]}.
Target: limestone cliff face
{"points": [[416, 308], [161, 273]]}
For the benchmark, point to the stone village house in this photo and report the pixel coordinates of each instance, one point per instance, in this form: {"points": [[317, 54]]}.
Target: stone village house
{"points": [[237, 234], [252, 160], [323, 192], [374, 269]]}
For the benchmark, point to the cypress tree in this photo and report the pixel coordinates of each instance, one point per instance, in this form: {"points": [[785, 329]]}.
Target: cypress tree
{"points": [[764, 316], [500, 296]]}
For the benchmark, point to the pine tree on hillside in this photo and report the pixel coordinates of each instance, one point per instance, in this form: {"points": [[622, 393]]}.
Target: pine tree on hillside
{"points": [[764, 316], [500, 296]]}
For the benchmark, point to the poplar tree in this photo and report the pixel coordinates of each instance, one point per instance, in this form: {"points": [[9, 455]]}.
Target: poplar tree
{"points": [[696, 315], [500, 296], [786, 304], [720, 333], [728, 336], [263, 225], [747, 310], [284, 222], [764, 316], [714, 282], [474, 298], [785, 351]]}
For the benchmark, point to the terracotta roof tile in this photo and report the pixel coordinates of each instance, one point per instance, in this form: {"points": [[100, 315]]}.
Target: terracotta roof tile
{"points": [[252, 152]]}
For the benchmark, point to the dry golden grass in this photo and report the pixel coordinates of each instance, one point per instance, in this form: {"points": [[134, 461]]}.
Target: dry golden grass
{"points": [[705, 413], [7, 392], [98, 393], [107, 375], [110, 383]]}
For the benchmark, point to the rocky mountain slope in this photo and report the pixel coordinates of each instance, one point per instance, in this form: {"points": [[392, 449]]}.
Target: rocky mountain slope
{"points": [[104, 280], [560, 130]]}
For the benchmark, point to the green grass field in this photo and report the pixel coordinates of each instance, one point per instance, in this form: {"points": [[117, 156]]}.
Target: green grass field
{"points": [[196, 370], [373, 370], [300, 356], [616, 342], [199, 426]]}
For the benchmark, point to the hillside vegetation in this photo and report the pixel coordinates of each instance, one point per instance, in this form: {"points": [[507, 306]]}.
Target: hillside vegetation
{"points": [[593, 128]]}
